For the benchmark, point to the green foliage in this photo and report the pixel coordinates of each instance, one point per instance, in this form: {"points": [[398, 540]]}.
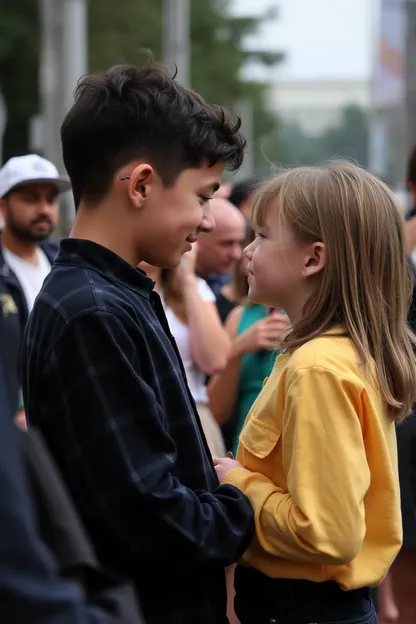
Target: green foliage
{"points": [[349, 139], [19, 43]]}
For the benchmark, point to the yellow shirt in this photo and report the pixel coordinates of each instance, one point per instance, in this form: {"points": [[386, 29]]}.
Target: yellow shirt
{"points": [[319, 459]]}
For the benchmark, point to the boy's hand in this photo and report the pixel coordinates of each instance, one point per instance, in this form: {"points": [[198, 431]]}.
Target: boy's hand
{"points": [[223, 465]]}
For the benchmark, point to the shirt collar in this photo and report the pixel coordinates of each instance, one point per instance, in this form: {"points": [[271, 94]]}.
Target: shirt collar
{"points": [[90, 255]]}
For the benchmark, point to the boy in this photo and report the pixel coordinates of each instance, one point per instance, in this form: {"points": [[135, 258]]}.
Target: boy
{"points": [[101, 373]]}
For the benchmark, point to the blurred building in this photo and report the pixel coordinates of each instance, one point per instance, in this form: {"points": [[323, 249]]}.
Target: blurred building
{"points": [[316, 106], [389, 141]]}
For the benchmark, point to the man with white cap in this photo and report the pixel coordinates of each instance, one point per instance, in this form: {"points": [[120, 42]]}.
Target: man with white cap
{"points": [[29, 189]]}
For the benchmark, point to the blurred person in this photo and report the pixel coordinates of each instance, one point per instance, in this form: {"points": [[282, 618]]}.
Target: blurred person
{"points": [[397, 594], [387, 610], [254, 330], [410, 227], [242, 195], [102, 376], [29, 190], [203, 344], [31, 590], [235, 292], [317, 455], [218, 250], [224, 190]]}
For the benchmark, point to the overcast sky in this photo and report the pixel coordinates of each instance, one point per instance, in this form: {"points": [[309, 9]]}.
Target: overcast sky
{"points": [[322, 38]]}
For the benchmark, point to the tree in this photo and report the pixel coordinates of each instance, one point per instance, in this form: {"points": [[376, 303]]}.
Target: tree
{"points": [[117, 31], [349, 139], [19, 45]]}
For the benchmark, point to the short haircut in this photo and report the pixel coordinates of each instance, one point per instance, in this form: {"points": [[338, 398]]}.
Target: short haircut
{"points": [[411, 166], [133, 112]]}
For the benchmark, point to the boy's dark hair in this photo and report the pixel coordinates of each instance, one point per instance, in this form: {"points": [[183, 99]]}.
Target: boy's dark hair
{"points": [[133, 112], [242, 190], [411, 166]]}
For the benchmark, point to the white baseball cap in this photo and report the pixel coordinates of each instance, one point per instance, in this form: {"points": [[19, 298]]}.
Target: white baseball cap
{"points": [[30, 169]]}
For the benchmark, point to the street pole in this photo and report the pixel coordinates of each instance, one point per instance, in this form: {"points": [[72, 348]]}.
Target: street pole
{"points": [[73, 66], [49, 79], [74, 48], [176, 38], [410, 77], [244, 109]]}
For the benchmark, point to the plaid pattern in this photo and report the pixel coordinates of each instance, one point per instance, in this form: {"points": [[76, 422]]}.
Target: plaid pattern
{"points": [[103, 381]]}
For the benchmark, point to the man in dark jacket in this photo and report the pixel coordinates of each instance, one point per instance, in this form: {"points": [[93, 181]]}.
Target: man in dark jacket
{"points": [[30, 589], [29, 190]]}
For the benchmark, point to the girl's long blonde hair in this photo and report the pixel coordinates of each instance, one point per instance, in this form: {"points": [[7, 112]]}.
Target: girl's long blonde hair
{"points": [[367, 280]]}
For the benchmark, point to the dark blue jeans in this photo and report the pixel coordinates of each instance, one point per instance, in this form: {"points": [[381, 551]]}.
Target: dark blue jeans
{"points": [[261, 600]]}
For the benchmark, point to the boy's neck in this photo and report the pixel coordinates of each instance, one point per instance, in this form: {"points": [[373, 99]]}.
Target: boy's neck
{"points": [[94, 224]]}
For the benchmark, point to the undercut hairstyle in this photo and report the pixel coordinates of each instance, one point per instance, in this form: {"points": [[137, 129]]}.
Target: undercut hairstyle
{"points": [[130, 112]]}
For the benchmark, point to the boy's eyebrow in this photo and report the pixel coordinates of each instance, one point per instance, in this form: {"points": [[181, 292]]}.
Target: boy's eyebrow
{"points": [[213, 187]]}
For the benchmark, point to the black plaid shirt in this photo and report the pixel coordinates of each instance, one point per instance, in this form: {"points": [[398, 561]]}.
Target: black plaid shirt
{"points": [[103, 381]]}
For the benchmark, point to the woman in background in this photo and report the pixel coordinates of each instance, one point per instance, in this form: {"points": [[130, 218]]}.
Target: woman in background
{"points": [[202, 342]]}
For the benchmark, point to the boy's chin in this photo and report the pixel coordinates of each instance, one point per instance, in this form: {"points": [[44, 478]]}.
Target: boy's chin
{"points": [[170, 259]]}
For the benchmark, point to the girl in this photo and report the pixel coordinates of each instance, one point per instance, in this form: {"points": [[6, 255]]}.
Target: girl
{"points": [[317, 455], [254, 330], [202, 342]]}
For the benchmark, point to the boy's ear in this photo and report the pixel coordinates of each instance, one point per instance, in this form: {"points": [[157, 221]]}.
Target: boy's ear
{"points": [[141, 179]]}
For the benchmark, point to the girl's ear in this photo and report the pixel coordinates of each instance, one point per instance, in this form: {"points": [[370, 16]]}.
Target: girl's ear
{"points": [[315, 261]]}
